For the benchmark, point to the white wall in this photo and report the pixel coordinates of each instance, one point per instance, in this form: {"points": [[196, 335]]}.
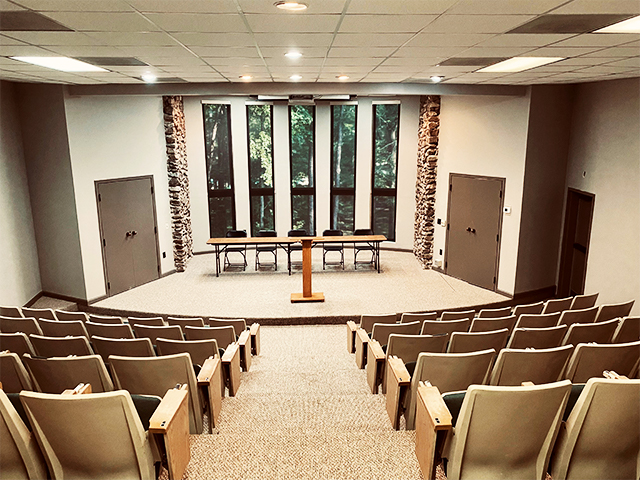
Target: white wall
{"points": [[605, 148], [485, 135], [20, 279], [115, 137]]}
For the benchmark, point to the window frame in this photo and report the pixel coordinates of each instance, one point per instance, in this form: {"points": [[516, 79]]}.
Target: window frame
{"points": [[344, 191]]}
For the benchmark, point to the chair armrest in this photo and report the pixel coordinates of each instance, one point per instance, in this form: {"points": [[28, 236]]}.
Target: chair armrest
{"points": [[254, 330], [210, 382], [231, 365], [170, 422], [433, 423], [351, 336], [375, 365], [245, 350], [398, 381], [362, 338], [80, 389]]}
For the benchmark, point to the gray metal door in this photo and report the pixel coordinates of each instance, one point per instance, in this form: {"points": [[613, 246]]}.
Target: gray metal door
{"points": [[473, 229], [126, 211]]}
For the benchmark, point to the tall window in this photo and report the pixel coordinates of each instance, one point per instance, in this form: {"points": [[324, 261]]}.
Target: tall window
{"points": [[386, 121], [260, 135], [343, 167], [302, 153], [217, 146]]}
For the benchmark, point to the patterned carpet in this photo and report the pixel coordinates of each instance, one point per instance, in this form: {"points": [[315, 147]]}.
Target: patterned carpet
{"points": [[304, 411]]}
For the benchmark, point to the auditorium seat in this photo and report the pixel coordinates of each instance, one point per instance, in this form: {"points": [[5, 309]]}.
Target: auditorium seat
{"points": [[528, 309], [183, 322], [586, 315], [239, 324], [614, 310], [21, 458], [628, 330], [39, 313], [601, 437], [124, 347], [494, 312], [57, 374], [449, 372], [101, 435], [172, 332], [412, 317], [59, 328], [541, 320], [68, 316], [438, 327], [380, 333], [366, 323], [557, 305], [500, 432], [11, 312], [590, 360], [235, 248], [461, 342], [446, 316], [60, 346], [580, 302], [590, 332], [364, 247], [515, 366], [332, 247], [537, 337], [146, 321], [105, 319], [267, 247], [198, 350], [156, 375], [493, 323], [16, 342], [23, 325], [13, 375], [115, 330], [245, 337]]}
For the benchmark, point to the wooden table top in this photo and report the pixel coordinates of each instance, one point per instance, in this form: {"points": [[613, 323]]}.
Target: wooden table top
{"points": [[260, 240]]}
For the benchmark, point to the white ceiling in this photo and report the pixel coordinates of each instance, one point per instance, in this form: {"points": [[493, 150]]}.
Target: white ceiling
{"points": [[203, 41]]}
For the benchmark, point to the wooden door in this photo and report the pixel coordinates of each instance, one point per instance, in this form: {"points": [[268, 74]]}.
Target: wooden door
{"points": [[126, 211], [575, 243], [473, 229]]}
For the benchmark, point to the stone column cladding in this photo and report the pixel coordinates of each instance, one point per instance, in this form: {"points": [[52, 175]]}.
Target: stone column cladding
{"points": [[428, 132], [175, 135]]}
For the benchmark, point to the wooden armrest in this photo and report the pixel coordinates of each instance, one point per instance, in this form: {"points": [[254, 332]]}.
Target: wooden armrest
{"points": [[231, 365], [376, 350], [398, 380], [210, 382], [245, 350], [351, 335], [245, 337], [610, 374], [170, 422], [351, 325], [254, 330], [433, 423], [230, 352], [375, 365], [208, 369], [527, 384], [80, 389], [400, 372]]}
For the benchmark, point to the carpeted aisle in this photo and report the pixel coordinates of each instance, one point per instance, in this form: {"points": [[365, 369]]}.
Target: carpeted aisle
{"points": [[304, 411]]}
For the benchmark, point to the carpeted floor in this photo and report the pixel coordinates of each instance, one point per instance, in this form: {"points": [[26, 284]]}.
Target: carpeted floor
{"points": [[403, 286], [304, 411]]}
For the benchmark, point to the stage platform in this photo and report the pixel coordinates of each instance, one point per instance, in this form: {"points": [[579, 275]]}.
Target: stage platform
{"points": [[265, 296]]}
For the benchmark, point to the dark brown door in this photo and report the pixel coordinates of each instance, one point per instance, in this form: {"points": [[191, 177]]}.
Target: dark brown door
{"points": [[575, 243], [126, 210], [473, 229]]}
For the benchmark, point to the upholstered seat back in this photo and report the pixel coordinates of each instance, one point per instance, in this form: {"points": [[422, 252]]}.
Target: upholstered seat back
{"points": [[57, 374], [515, 366]]}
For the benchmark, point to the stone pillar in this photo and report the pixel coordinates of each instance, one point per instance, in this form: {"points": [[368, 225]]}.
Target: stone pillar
{"points": [[175, 136], [428, 131]]}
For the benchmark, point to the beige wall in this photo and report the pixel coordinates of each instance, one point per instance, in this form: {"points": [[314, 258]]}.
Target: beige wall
{"points": [[544, 186], [20, 279], [46, 151], [604, 159]]}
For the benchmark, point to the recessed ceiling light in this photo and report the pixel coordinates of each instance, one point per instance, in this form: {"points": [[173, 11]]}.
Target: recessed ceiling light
{"points": [[245, 77], [295, 77], [293, 54], [631, 25], [436, 78], [519, 64], [149, 78], [343, 77], [291, 6], [64, 64]]}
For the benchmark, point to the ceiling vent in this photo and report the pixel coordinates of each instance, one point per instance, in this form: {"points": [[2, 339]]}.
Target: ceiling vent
{"points": [[113, 61], [569, 23], [29, 22]]}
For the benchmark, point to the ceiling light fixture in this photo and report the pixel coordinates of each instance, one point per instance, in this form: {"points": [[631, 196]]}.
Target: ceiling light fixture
{"points": [[519, 64], [293, 54], [291, 6], [436, 78], [64, 64], [631, 25], [245, 77], [342, 77], [295, 78], [149, 78]]}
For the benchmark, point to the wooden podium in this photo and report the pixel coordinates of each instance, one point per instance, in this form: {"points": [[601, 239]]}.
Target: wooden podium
{"points": [[307, 295]]}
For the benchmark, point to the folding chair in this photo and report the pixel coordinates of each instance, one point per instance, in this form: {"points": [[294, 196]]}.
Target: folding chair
{"points": [[332, 247], [235, 248], [294, 247], [267, 247], [364, 247]]}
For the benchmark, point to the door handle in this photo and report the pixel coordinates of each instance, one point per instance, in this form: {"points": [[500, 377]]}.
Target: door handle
{"points": [[471, 230]]}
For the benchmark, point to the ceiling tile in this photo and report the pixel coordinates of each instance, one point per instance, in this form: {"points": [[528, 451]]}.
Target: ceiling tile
{"points": [[413, 7], [627, 62], [607, 69], [245, 52], [6, 6], [615, 52], [306, 51], [505, 52], [344, 61], [583, 61], [215, 39], [375, 52], [476, 23], [190, 6], [293, 39], [429, 52], [372, 40], [23, 51], [554, 51], [133, 38], [315, 7], [160, 61], [5, 40], [410, 61], [503, 7], [103, 22], [385, 23], [293, 23], [198, 22], [301, 62], [76, 5], [234, 61], [86, 51], [451, 40], [55, 38], [525, 40]]}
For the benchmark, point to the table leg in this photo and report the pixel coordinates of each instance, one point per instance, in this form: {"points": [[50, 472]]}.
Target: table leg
{"points": [[378, 256], [217, 260]]}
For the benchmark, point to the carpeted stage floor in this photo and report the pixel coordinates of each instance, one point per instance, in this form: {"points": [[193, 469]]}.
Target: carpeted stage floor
{"points": [[264, 296]]}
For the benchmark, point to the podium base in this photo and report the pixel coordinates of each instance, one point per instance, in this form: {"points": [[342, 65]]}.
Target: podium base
{"points": [[315, 297]]}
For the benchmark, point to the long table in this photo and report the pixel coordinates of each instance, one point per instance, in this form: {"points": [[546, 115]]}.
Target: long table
{"points": [[307, 242]]}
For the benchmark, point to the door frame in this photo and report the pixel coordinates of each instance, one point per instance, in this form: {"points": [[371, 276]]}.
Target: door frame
{"points": [[565, 264], [498, 243], [97, 184]]}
